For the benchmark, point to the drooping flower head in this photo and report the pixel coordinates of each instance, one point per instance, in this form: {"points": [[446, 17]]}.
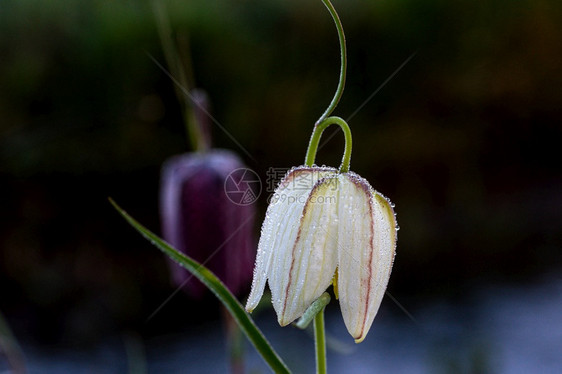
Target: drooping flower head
{"points": [[322, 227], [200, 220]]}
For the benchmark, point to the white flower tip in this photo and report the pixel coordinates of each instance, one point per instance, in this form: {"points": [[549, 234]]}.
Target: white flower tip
{"points": [[288, 315], [253, 301], [360, 339], [283, 321]]}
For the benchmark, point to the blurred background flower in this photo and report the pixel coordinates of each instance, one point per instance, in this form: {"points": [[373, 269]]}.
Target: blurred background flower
{"points": [[200, 219], [464, 138]]}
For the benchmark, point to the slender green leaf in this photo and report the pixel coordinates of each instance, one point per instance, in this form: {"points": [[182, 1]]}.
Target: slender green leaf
{"points": [[236, 309]]}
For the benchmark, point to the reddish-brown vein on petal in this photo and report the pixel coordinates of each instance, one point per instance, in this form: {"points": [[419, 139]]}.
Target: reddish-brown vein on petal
{"points": [[328, 236], [366, 190], [293, 255], [290, 274], [280, 232]]}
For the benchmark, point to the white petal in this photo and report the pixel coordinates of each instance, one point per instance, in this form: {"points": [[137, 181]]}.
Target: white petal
{"points": [[314, 254], [367, 242], [278, 234]]}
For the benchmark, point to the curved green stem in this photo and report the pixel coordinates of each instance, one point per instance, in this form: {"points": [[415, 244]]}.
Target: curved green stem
{"points": [[320, 342], [315, 139], [314, 308], [343, 54]]}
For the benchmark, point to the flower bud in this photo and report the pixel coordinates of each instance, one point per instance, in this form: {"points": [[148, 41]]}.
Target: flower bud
{"points": [[200, 220], [323, 225]]}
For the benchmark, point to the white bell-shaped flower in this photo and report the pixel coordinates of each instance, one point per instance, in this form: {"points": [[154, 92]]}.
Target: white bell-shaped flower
{"points": [[323, 225]]}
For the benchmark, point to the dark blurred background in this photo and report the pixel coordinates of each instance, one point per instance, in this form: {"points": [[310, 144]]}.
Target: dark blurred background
{"points": [[464, 139]]}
